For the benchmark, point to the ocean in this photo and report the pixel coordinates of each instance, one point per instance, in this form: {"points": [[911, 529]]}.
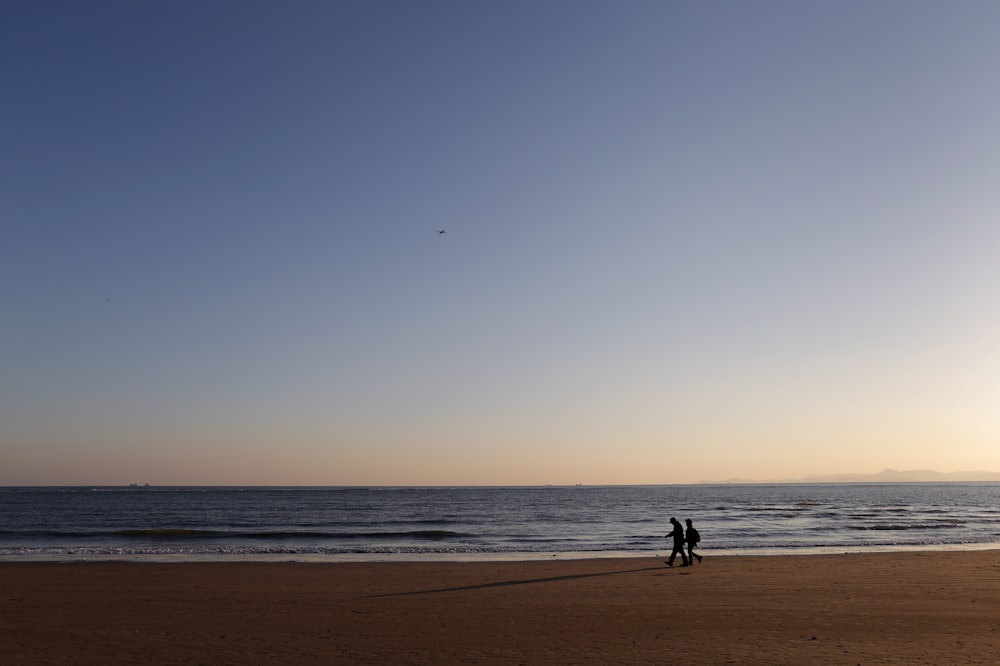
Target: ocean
{"points": [[468, 523]]}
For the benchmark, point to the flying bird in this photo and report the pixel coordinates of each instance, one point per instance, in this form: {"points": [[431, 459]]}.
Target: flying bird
{"points": [[440, 231]]}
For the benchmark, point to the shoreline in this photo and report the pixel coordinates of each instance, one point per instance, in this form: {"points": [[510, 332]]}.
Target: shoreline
{"points": [[483, 557], [883, 608]]}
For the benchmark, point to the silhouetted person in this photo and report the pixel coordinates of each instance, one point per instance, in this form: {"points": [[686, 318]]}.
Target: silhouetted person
{"points": [[692, 537], [678, 536]]}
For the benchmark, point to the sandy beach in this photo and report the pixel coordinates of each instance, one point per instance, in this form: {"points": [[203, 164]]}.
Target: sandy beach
{"points": [[898, 608]]}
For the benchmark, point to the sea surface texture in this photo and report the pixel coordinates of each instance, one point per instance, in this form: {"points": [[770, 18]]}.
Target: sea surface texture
{"points": [[494, 523]]}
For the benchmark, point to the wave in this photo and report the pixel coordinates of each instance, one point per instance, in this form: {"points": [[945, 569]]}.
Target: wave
{"points": [[166, 533], [195, 548], [902, 527]]}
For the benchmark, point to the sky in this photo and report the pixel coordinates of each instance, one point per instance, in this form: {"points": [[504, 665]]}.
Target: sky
{"points": [[685, 241]]}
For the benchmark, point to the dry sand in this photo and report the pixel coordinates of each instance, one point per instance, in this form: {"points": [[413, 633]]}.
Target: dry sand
{"points": [[898, 608]]}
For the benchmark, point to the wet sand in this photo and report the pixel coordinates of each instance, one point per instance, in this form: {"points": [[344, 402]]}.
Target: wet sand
{"points": [[897, 608]]}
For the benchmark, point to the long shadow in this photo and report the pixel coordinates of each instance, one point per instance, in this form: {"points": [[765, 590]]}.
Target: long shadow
{"points": [[505, 583]]}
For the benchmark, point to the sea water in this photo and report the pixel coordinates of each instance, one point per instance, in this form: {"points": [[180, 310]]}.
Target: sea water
{"points": [[331, 524]]}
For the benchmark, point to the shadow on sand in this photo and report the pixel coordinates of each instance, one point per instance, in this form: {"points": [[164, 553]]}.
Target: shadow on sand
{"points": [[505, 583]]}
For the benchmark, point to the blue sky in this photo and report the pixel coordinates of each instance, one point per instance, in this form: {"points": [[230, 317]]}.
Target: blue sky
{"points": [[685, 241]]}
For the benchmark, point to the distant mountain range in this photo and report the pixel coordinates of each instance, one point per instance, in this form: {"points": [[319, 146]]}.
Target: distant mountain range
{"points": [[885, 476]]}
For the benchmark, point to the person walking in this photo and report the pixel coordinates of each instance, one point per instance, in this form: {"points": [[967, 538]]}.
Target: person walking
{"points": [[678, 536], [692, 538]]}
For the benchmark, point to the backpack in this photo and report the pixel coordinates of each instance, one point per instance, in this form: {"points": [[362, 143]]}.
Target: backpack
{"points": [[696, 537]]}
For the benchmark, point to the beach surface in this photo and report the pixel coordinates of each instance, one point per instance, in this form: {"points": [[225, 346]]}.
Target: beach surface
{"points": [[884, 608]]}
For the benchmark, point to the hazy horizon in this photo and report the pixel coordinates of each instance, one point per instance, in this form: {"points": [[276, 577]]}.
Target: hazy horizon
{"points": [[885, 476], [683, 241]]}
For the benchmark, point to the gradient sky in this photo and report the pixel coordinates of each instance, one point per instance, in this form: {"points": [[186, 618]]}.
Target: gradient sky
{"points": [[685, 241]]}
